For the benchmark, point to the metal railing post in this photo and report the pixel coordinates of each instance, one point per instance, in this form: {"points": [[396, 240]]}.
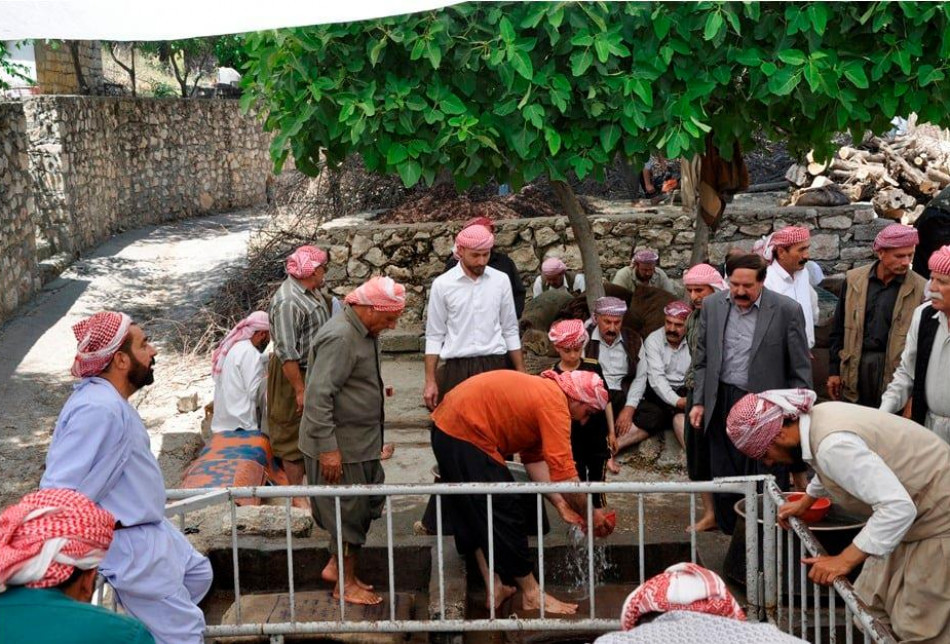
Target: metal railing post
{"points": [[752, 550], [768, 548]]}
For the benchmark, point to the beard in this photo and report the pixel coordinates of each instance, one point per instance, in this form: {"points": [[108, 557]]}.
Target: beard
{"points": [[141, 375], [797, 455]]}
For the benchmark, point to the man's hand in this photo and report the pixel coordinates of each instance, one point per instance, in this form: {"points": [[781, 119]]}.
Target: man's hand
{"points": [[299, 394], [696, 416], [824, 570], [681, 403], [331, 467], [568, 514], [834, 387], [625, 420], [430, 395], [794, 509]]}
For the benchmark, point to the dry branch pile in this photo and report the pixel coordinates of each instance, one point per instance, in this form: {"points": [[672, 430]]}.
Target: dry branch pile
{"points": [[898, 174]]}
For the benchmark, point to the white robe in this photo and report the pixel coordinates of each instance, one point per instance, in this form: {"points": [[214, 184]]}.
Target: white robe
{"points": [[101, 448]]}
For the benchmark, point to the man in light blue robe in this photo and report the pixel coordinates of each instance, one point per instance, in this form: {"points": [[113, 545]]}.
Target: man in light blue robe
{"points": [[101, 448]]}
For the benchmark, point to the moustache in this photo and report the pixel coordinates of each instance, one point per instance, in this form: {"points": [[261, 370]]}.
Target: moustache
{"points": [[802, 262], [936, 297]]}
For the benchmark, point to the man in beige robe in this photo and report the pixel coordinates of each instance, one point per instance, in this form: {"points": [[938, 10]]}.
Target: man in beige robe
{"points": [[873, 464]]}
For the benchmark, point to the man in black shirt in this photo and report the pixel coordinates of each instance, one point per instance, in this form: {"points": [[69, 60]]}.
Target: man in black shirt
{"points": [[872, 318]]}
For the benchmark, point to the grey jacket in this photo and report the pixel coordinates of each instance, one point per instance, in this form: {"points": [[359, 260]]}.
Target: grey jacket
{"points": [[779, 359], [343, 402]]}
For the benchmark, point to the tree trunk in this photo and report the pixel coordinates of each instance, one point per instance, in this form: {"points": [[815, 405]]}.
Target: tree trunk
{"points": [[584, 237], [700, 240], [77, 67]]}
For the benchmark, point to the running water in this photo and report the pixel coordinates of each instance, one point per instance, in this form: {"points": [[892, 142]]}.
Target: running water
{"points": [[576, 568]]}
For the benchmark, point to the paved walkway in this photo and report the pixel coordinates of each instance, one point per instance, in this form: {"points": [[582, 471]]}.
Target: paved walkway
{"points": [[160, 275]]}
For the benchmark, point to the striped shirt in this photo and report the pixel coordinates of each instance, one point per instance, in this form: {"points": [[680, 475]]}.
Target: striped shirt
{"points": [[296, 315]]}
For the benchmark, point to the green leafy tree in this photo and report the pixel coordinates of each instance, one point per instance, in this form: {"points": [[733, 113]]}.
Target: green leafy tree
{"points": [[188, 60], [514, 91], [11, 69]]}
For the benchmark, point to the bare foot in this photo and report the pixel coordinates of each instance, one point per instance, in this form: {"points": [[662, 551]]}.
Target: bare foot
{"points": [[551, 605], [387, 452], [332, 574], [705, 524], [613, 466], [302, 502], [354, 594], [502, 593]]}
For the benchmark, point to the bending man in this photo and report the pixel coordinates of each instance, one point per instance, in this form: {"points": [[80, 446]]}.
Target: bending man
{"points": [[507, 412], [873, 464]]}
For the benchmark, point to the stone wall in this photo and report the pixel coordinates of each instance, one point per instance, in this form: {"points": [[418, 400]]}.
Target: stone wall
{"points": [[103, 164], [18, 277], [415, 254], [56, 71]]}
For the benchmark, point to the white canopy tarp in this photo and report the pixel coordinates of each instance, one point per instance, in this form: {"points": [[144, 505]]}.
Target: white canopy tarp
{"points": [[129, 20]]}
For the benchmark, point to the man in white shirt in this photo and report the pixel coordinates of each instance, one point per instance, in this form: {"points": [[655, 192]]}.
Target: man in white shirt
{"points": [[240, 375], [876, 465], [787, 250], [471, 322], [554, 275], [660, 403], [925, 363]]}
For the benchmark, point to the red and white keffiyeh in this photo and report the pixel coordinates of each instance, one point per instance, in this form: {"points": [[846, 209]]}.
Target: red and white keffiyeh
{"points": [[704, 275], [256, 321], [755, 421], [582, 386], [476, 237], [677, 309], [609, 305], [553, 266], [304, 261], [896, 236], [48, 534], [939, 262], [99, 337], [481, 221], [782, 238], [646, 256], [568, 334], [684, 586], [381, 293]]}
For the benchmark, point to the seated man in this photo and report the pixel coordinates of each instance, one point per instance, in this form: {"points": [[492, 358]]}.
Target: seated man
{"points": [[51, 544], [643, 269], [661, 402], [240, 375], [554, 274], [689, 603], [509, 412]]}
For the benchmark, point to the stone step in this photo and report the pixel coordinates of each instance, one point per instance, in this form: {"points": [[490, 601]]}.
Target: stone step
{"points": [[318, 606], [402, 341], [51, 268]]}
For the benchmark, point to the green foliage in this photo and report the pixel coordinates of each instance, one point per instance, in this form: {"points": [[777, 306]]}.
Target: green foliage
{"points": [[518, 90], [11, 69]]}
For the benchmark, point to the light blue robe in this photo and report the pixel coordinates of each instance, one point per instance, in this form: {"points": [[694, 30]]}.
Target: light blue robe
{"points": [[101, 448]]}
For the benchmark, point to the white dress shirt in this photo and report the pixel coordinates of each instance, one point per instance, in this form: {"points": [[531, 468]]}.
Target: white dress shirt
{"points": [[471, 317], [937, 386], [639, 385], [666, 366], [579, 285], [613, 360], [799, 289], [848, 460], [239, 389]]}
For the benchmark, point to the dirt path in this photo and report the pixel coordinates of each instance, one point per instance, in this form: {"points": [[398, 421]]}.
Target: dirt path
{"points": [[160, 275]]}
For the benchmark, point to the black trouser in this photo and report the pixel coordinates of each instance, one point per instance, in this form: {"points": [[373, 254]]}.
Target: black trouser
{"points": [[871, 378], [593, 467], [697, 447], [462, 462], [727, 460]]}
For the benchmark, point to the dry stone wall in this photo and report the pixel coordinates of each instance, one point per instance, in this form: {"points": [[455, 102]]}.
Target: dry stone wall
{"points": [[103, 164], [18, 277], [415, 254]]}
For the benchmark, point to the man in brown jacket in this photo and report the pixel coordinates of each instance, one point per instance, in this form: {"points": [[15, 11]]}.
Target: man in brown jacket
{"points": [[876, 465], [873, 315], [341, 432]]}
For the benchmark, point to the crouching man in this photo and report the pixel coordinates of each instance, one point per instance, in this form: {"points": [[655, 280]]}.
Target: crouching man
{"points": [[873, 464], [508, 412]]}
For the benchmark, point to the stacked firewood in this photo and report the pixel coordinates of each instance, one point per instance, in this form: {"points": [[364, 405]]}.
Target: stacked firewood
{"points": [[899, 175]]}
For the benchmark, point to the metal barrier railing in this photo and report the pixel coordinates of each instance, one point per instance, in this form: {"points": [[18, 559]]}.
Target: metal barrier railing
{"points": [[780, 569], [184, 501], [765, 579]]}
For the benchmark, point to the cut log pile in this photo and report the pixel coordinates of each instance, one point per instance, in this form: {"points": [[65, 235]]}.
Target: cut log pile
{"points": [[899, 175]]}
